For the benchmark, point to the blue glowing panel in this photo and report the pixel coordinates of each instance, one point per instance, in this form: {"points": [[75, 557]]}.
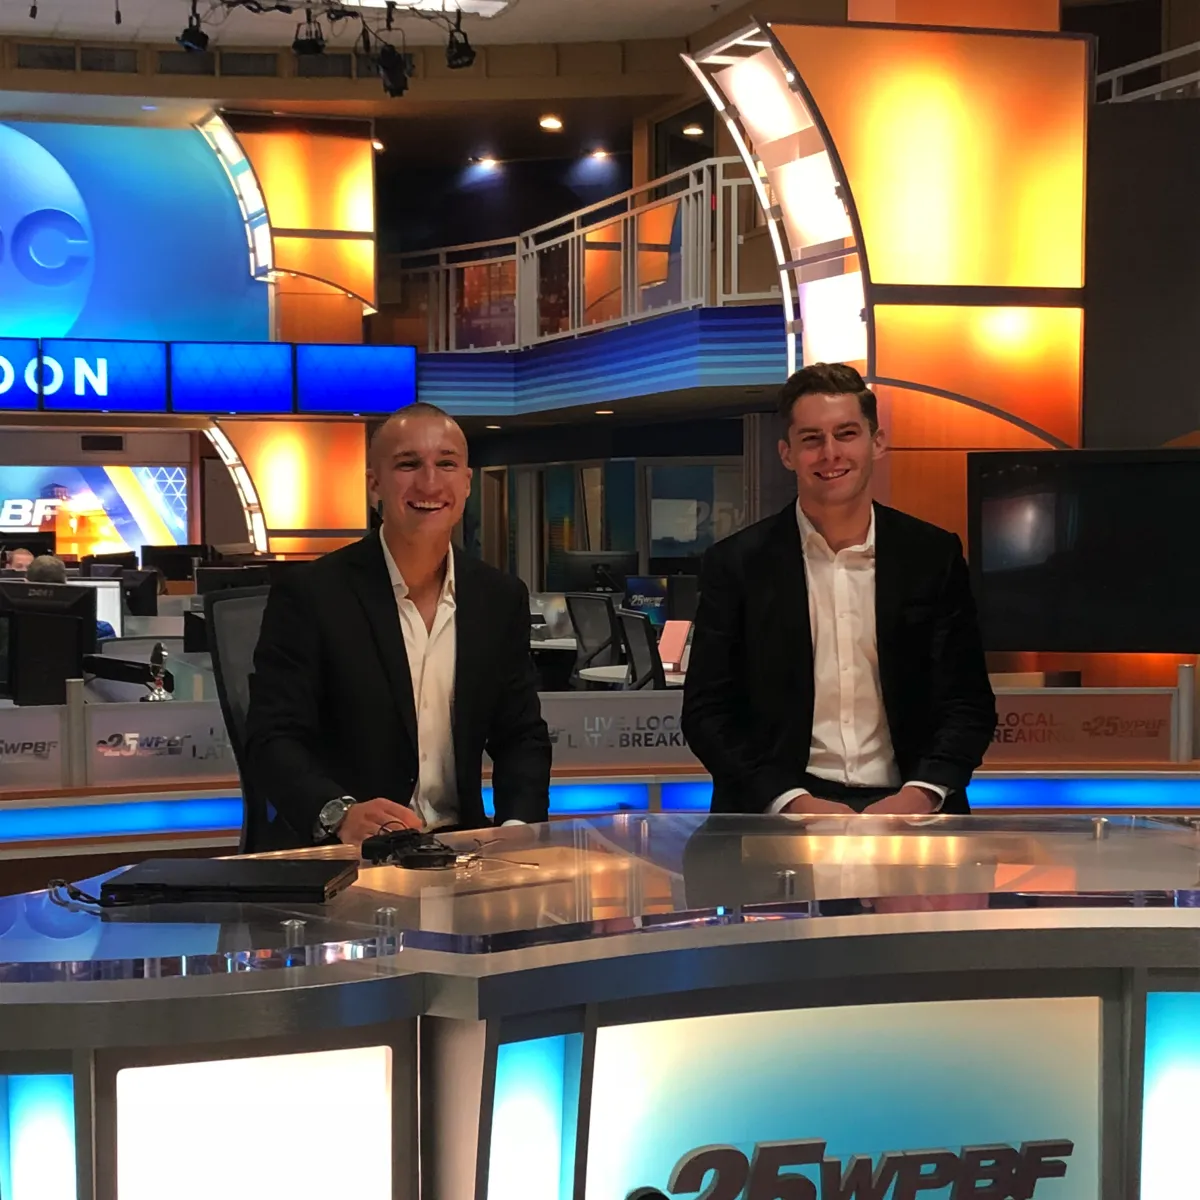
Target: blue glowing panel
{"points": [[686, 796], [587, 799], [106, 820], [231, 377], [1171, 1094], [355, 379], [37, 1137], [87, 376], [534, 1116], [1128, 795], [122, 232], [18, 369]]}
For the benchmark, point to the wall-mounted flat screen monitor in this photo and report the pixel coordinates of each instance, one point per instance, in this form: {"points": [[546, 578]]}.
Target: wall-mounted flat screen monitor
{"points": [[1082, 551]]}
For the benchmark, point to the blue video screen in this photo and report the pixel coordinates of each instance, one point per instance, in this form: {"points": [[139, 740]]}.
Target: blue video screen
{"points": [[231, 377], [95, 376], [384, 378], [18, 371]]}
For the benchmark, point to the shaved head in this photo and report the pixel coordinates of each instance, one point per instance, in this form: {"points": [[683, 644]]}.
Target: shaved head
{"points": [[417, 470], [384, 435]]}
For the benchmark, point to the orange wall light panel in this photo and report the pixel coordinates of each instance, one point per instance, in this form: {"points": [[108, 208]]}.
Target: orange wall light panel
{"points": [[964, 152], [320, 196], [977, 14], [309, 475]]}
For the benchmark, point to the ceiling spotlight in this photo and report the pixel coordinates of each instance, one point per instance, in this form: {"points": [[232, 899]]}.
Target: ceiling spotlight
{"points": [[491, 426], [551, 123], [394, 69], [604, 412], [488, 163], [460, 54], [376, 144], [310, 37], [193, 39], [693, 130], [599, 154]]}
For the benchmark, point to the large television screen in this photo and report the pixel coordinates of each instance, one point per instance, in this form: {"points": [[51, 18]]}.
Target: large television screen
{"points": [[96, 509], [1086, 551]]}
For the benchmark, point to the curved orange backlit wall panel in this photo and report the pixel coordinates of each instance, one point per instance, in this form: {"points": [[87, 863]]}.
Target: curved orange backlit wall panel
{"points": [[924, 190], [309, 479], [320, 196]]}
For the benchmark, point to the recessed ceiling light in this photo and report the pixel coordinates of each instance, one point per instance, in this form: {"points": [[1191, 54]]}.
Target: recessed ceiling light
{"points": [[693, 130], [604, 412], [551, 123], [491, 427], [376, 144], [488, 164], [599, 153]]}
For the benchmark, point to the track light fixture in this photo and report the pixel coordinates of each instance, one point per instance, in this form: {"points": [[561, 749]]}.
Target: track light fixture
{"points": [[117, 13], [193, 39], [310, 37], [460, 54], [394, 69]]}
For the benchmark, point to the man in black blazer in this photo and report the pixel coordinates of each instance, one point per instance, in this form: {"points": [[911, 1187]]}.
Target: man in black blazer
{"points": [[836, 662], [385, 669]]}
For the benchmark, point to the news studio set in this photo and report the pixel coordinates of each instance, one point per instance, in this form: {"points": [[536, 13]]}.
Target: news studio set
{"points": [[305, 892]]}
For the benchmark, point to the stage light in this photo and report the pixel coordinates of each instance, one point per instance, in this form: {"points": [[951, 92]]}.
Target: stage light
{"points": [[693, 130], [551, 123], [491, 427], [459, 52], [599, 154], [193, 39], [376, 144], [310, 37], [604, 412], [393, 69], [488, 164]]}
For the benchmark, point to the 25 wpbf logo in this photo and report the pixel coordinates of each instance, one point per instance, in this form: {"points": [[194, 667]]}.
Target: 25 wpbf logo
{"points": [[46, 245]]}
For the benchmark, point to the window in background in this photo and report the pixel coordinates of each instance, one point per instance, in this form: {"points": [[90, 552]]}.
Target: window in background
{"points": [[674, 149], [690, 508], [620, 504], [559, 496]]}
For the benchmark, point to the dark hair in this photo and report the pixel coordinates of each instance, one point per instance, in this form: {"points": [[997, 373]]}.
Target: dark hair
{"points": [[46, 568], [827, 379]]}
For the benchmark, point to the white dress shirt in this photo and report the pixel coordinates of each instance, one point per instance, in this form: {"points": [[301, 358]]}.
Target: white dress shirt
{"points": [[851, 741], [432, 658]]}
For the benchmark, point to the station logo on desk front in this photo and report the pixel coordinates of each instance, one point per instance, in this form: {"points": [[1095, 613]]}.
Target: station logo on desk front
{"points": [[990, 1172], [938, 1100]]}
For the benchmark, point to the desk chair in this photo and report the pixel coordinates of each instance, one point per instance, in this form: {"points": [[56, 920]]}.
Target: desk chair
{"points": [[641, 643], [233, 618], [598, 637]]}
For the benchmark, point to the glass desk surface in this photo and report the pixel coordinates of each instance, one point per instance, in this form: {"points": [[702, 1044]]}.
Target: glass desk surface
{"points": [[569, 881]]}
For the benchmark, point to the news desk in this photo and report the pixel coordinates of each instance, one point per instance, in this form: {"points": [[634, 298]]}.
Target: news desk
{"points": [[632, 1007]]}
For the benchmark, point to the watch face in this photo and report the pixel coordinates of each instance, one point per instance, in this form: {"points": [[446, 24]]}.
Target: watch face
{"points": [[332, 814]]}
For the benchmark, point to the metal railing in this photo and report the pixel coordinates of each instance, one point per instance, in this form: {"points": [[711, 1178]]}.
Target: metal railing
{"points": [[1110, 87], [692, 238]]}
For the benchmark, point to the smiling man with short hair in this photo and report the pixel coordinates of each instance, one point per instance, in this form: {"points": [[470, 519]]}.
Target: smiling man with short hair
{"points": [[837, 664], [385, 669]]}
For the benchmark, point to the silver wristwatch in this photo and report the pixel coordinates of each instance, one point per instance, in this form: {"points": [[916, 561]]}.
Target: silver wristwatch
{"points": [[332, 814]]}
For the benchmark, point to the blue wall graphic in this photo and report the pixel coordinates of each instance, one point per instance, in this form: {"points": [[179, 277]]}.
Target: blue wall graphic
{"points": [[121, 232]]}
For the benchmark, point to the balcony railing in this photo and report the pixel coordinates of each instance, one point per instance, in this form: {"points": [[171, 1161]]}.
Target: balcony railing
{"points": [[1137, 80], [692, 238]]}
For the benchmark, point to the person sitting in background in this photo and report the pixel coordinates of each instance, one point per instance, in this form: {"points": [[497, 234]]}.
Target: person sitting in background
{"points": [[19, 559], [48, 569]]}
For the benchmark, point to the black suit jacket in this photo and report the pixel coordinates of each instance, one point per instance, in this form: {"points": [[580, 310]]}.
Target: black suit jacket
{"points": [[748, 700], [331, 700]]}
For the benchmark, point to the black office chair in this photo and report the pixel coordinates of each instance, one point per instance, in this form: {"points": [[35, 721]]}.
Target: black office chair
{"points": [[641, 644], [597, 635], [233, 619]]}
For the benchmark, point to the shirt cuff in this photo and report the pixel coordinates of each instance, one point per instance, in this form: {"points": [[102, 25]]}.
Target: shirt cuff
{"points": [[781, 802], [511, 821], [940, 792]]}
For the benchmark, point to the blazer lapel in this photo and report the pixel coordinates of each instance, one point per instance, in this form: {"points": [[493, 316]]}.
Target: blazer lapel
{"points": [[470, 624], [373, 587], [787, 593], [889, 598]]}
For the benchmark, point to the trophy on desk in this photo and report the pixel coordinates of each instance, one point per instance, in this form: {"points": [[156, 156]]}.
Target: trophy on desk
{"points": [[158, 659]]}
